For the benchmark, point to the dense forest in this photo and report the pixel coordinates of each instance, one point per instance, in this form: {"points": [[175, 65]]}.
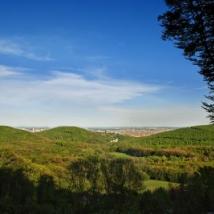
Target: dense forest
{"points": [[73, 170]]}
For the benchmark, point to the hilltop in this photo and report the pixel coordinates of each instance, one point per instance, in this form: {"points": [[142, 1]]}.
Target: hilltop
{"points": [[195, 135], [76, 134]]}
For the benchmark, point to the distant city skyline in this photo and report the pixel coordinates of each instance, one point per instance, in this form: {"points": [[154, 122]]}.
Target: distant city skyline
{"points": [[93, 64]]}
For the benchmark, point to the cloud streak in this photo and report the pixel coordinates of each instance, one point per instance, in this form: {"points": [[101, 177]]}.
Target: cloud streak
{"points": [[64, 98], [9, 47], [6, 71], [71, 88]]}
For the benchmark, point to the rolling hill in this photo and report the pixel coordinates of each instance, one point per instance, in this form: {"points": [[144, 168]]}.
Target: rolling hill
{"points": [[173, 153], [76, 161], [75, 134]]}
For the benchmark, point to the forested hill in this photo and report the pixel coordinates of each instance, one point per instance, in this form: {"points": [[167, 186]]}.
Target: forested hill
{"points": [[75, 134], [195, 135], [87, 171]]}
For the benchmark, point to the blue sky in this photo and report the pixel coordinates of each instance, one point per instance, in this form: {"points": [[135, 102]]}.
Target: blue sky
{"points": [[93, 63]]}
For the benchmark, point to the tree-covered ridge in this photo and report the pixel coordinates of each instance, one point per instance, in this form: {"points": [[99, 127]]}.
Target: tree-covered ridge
{"points": [[171, 154], [186, 136], [78, 164], [76, 134]]}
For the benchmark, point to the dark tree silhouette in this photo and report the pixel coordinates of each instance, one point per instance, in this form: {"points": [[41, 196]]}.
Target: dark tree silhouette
{"points": [[190, 24], [20, 195]]}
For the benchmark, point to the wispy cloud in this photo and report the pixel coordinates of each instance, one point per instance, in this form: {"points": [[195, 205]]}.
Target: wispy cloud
{"points": [[73, 88], [9, 47], [6, 71], [76, 86], [66, 98], [97, 73]]}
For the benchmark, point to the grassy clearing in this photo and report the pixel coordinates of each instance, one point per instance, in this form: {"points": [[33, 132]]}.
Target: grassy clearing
{"points": [[152, 185]]}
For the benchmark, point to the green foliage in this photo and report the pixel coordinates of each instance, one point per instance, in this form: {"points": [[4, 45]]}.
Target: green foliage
{"points": [[75, 134], [68, 168], [152, 185], [19, 195], [106, 175], [190, 24], [172, 156], [197, 135]]}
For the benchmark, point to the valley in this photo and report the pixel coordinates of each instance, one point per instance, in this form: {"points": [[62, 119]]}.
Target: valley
{"points": [[82, 161]]}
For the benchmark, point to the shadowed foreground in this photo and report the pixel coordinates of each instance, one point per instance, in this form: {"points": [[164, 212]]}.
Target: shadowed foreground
{"points": [[18, 195]]}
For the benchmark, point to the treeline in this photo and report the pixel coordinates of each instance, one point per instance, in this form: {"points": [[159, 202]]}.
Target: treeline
{"points": [[19, 195], [144, 152], [197, 196], [107, 175], [174, 164]]}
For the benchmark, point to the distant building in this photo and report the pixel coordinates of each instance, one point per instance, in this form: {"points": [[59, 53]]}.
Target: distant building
{"points": [[34, 129]]}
